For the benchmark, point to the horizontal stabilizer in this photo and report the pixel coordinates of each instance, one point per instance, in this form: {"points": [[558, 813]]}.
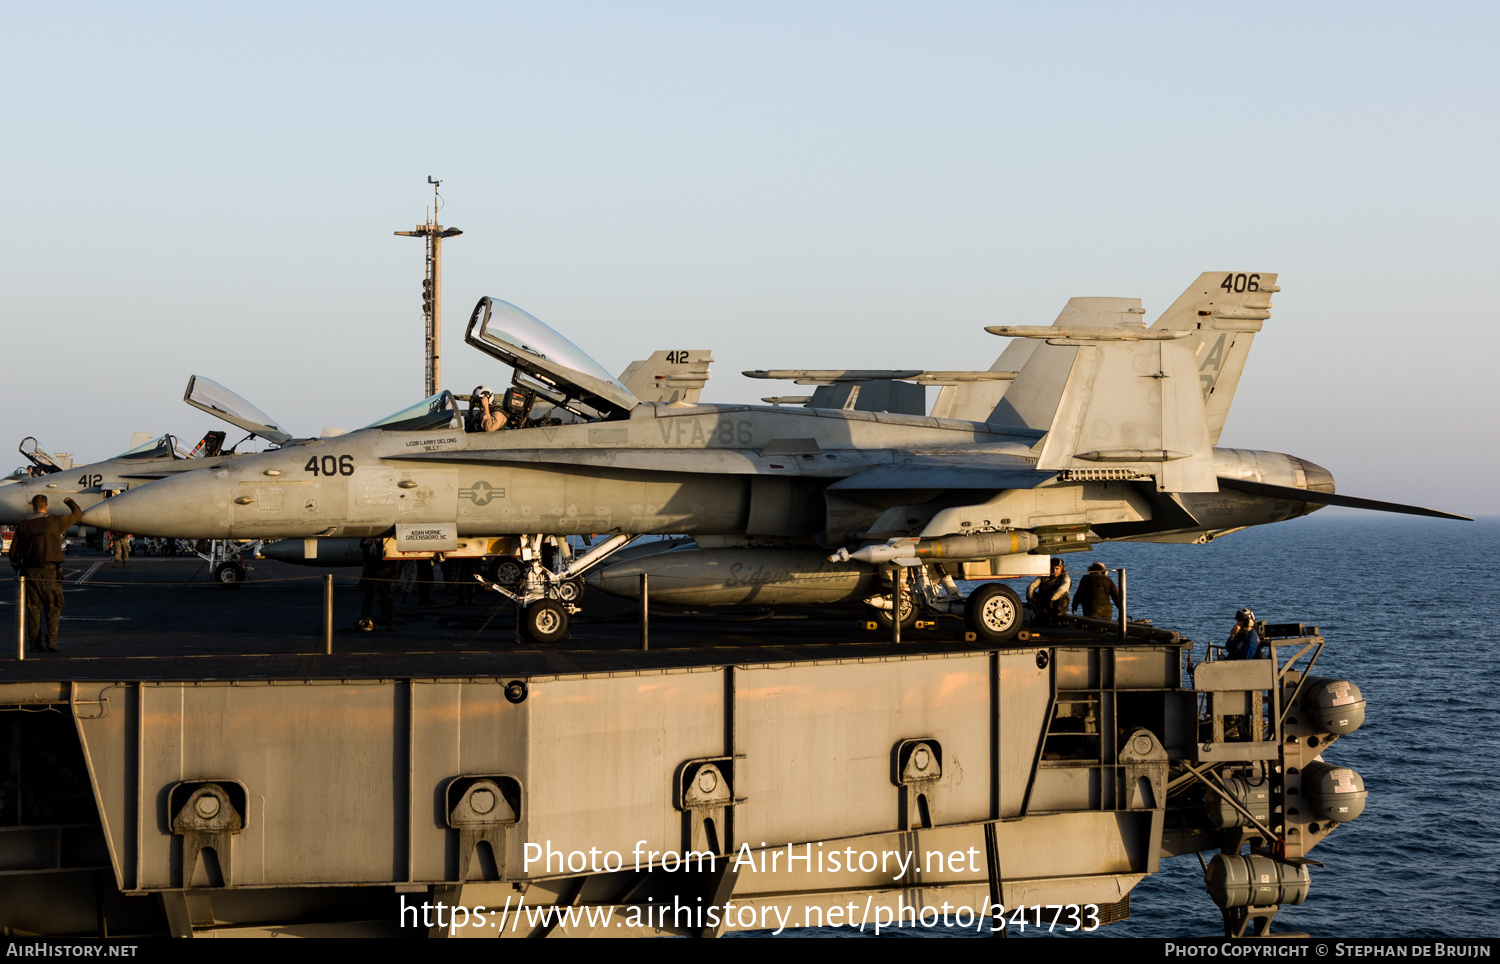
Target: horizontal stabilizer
{"points": [[1083, 335], [828, 376], [1328, 498]]}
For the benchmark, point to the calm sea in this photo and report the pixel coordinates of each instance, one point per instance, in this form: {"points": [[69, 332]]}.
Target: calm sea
{"points": [[1409, 609]]}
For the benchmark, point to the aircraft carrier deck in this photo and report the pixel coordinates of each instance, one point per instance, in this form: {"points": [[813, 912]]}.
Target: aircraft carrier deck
{"points": [[163, 619], [208, 769]]}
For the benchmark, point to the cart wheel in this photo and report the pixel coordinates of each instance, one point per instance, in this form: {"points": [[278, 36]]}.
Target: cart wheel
{"points": [[993, 612]]}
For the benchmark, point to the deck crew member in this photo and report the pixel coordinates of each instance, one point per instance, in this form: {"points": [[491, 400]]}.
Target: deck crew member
{"points": [[122, 550], [36, 553], [377, 578], [1096, 593], [1048, 595], [1244, 641]]}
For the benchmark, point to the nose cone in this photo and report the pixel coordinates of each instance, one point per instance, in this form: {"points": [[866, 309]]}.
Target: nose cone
{"points": [[183, 507], [15, 503], [1315, 477]]}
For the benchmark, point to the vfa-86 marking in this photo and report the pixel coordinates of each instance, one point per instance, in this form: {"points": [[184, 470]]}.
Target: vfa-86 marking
{"points": [[1080, 449]]}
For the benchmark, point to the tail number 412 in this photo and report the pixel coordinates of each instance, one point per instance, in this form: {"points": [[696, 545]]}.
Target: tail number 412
{"points": [[329, 465]]}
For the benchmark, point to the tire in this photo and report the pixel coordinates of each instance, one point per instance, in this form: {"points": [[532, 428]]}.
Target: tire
{"points": [[570, 591], [229, 574], [545, 622], [508, 571], [994, 613], [908, 614]]}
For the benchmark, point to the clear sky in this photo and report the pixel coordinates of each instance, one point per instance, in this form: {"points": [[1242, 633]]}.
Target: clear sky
{"points": [[212, 189]]}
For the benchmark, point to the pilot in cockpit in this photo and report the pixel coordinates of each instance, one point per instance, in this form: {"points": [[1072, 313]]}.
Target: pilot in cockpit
{"points": [[483, 418], [489, 412]]}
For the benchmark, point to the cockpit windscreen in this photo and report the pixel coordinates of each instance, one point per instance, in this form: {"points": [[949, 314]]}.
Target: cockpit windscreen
{"points": [[439, 411], [161, 447]]}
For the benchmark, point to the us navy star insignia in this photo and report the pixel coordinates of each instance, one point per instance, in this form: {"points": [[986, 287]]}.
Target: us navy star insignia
{"points": [[480, 493]]}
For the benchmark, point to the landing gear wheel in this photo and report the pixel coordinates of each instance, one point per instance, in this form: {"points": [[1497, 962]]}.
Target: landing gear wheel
{"points": [[993, 612], [229, 574], [545, 621], [570, 591], [508, 571], [908, 614]]}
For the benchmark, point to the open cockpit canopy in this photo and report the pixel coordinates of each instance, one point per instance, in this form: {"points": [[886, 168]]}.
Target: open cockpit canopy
{"points": [[209, 396], [439, 411], [545, 360], [39, 455]]}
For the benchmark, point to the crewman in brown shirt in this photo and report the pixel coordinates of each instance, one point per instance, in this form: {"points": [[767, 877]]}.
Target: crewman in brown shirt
{"points": [[36, 553]]}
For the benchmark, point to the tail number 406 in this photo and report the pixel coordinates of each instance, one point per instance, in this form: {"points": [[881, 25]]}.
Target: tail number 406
{"points": [[329, 465], [1240, 283]]}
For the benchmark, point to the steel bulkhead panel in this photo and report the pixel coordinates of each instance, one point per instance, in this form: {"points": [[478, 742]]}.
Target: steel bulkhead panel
{"points": [[106, 716], [317, 761], [1077, 669], [1026, 691], [1074, 844], [1147, 667], [461, 728], [31, 694], [602, 755], [1070, 787], [819, 740], [1053, 858]]}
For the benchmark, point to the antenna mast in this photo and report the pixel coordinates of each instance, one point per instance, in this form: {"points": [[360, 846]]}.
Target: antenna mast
{"points": [[432, 287]]}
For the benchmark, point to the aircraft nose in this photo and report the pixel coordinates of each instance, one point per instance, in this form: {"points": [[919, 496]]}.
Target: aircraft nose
{"points": [[181, 508], [1318, 479], [15, 503], [99, 515]]}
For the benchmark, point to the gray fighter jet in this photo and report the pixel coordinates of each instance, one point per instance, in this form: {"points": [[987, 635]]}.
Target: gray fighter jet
{"points": [[1120, 446], [148, 461], [671, 376]]}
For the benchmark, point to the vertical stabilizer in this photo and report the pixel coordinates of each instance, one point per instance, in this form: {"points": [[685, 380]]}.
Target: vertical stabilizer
{"points": [[668, 376], [1223, 310]]}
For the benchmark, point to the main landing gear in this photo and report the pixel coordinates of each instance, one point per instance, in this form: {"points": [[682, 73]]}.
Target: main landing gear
{"points": [[548, 598]]}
